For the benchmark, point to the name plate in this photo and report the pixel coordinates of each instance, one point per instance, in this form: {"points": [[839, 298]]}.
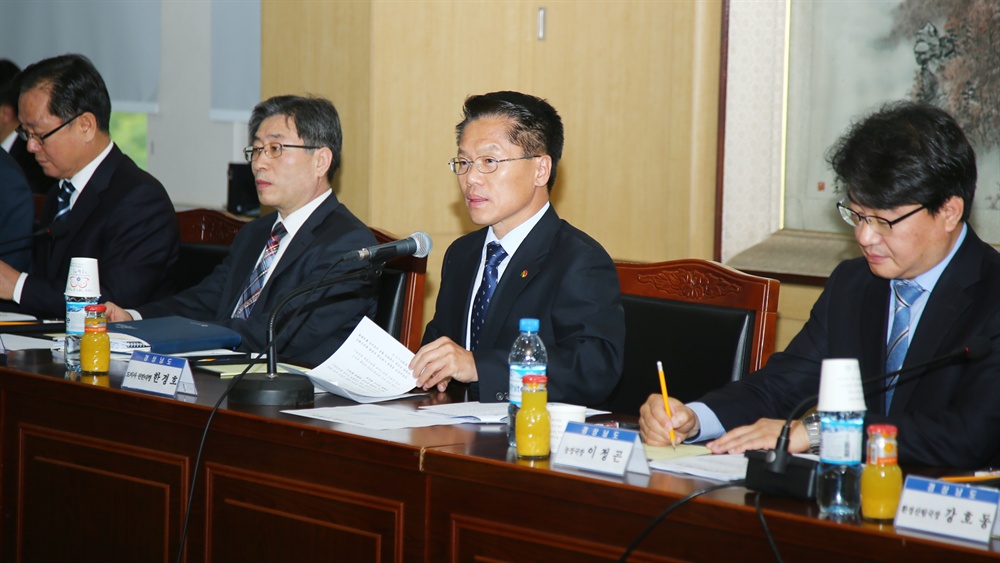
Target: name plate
{"points": [[955, 510], [158, 374], [602, 449]]}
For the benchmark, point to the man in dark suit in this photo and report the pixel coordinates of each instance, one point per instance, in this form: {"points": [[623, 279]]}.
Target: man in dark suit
{"points": [[926, 286], [17, 213], [107, 207], [508, 147], [9, 141], [296, 144]]}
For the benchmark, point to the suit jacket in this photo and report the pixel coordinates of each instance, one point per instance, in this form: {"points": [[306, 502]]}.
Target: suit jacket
{"points": [[949, 416], [39, 182], [123, 218], [330, 315], [558, 275], [17, 214]]}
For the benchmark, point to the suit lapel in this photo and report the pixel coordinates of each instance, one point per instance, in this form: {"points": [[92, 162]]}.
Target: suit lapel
{"points": [[873, 335]]}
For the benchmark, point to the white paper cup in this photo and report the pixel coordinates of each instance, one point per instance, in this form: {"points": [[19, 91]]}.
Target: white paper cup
{"points": [[840, 386], [83, 279], [561, 414]]}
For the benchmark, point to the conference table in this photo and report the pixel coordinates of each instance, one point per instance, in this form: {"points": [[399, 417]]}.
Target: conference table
{"points": [[103, 474]]}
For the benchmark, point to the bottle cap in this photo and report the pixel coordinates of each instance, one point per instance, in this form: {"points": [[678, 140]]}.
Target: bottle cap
{"points": [[534, 379], [98, 308], [884, 429], [529, 325]]}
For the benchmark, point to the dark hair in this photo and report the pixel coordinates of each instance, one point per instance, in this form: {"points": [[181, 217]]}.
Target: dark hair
{"points": [[315, 119], [74, 86], [905, 153], [8, 85], [537, 127]]}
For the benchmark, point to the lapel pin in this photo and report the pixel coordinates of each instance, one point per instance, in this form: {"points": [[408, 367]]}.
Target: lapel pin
{"points": [[524, 273]]}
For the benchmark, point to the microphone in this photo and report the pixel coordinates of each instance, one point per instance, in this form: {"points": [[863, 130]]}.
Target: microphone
{"points": [[418, 244], [55, 230], [766, 470]]}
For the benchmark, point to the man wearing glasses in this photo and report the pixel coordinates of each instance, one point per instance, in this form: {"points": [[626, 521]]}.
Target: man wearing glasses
{"points": [[104, 206], [295, 151], [526, 262], [925, 287]]}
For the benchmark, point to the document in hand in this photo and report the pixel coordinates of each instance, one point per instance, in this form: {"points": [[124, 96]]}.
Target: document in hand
{"points": [[371, 366]]}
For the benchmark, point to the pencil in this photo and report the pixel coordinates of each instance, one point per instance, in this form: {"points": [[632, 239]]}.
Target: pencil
{"points": [[666, 403], [969, 478]]}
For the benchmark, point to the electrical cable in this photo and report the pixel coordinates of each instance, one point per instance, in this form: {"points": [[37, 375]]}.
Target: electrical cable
{"points": [[767, 531]]}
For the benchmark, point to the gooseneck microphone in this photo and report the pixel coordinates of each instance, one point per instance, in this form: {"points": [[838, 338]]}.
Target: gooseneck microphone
{"points": [[418, 244], [765, 472], [55, 230]]}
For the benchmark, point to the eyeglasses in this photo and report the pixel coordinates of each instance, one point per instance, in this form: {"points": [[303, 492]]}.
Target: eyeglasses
{"points": [[484, 164], [272, 150], [877, 224], [27, 137]]}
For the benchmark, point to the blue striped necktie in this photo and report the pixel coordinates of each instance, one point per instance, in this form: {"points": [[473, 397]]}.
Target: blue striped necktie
{"points": [[905, 292], [495, 254], [255, 283], [66, 190]]}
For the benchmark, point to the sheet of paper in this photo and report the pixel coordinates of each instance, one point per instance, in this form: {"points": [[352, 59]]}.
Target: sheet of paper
{"points": [[370, 366], [15, 317], [18, 342], [656, 453], [483, 413], [375, 417], [229, 371], [725, 467]]}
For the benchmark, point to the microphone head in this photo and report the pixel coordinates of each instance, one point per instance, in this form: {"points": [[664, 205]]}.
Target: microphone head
{"points": [[978, 348], [424, 244]]}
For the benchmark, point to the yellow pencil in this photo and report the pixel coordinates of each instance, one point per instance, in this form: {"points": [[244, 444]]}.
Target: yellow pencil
{"points": [[666, 403]]}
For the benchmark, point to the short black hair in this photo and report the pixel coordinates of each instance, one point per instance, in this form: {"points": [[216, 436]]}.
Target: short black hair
{"points": [[316, 121], [75, 87], [537, 127], [8, 84], [905, 153]]}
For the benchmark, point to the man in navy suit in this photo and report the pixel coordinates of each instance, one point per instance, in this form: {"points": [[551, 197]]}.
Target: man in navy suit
{"points": [[109, 209], [9, 141], [910, 178], [17, 214], [508, 147], [295, 151]]}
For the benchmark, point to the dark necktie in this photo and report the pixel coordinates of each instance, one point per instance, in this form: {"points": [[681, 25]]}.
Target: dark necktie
{"points": [[256, 281], [495, 254], [66, 190], [905, 293]]}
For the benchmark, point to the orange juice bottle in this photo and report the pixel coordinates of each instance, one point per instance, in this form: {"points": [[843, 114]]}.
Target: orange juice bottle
{"points": [[532, 428], [881, 480], [95, 347]]}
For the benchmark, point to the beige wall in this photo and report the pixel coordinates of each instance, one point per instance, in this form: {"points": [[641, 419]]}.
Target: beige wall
{"points": [[635, 82]]}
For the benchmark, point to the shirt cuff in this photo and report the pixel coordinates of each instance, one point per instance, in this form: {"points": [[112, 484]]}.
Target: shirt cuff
{"points": [[18, 287], [135, 314], [711, 428]]}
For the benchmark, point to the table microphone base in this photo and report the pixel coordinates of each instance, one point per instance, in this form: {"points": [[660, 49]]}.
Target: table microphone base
{"points": [[283, 390]]}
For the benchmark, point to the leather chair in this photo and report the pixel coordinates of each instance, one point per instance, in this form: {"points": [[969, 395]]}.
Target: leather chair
{"points": [[206, 235], [709, 324]]}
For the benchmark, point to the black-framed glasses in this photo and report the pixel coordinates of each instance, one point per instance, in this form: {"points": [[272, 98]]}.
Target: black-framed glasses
{"points": [[878, 224], [27, 137], [272, 150], [484, 164]]}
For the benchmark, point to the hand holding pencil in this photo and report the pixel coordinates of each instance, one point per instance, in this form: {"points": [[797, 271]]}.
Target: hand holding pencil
{"points": [[666, 403]]}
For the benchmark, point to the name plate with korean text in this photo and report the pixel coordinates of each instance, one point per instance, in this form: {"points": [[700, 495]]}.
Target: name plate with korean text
{"points": [[955, 510], [602, 449], [158, 374]]}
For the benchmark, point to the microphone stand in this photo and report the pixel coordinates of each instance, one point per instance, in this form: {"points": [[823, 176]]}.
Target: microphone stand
{"points": [[286, 389]]}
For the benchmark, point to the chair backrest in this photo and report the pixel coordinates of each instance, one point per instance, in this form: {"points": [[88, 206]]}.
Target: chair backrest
{"points": [[400, 309], [206, 235], [709, 324]]}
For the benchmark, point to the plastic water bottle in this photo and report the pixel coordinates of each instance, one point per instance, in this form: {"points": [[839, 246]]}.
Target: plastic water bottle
{"points": [[838, 489], [76, 314], [527, 357]]}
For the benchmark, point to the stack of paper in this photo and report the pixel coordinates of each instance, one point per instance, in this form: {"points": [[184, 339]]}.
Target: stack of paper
{"points": [[726, 467]]}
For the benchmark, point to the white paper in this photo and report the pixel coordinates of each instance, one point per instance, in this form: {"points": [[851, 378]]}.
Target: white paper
{"points": [[15, 317], [375, 417], [483, 413], [18, 342], [723, 467], [370, 366]]}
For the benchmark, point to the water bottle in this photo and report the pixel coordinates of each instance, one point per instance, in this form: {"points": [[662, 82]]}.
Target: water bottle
{"points": [[76, 314], [527, 357], [838, 489]]}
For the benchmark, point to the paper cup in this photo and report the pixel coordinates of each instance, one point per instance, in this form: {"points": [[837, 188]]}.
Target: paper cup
{"points": [[561, 414], [83, 280], [840, 386]]}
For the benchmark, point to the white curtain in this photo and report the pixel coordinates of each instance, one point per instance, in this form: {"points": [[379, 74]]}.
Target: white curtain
{"points": [[235, 59]]}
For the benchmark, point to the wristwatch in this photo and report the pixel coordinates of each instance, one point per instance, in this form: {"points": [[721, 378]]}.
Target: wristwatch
{"points": [[811, 424]]}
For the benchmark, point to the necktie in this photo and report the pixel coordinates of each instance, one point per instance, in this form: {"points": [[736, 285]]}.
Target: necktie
{"points": [[495, 254], [255, 283], [66, 190], [905, 292]]}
